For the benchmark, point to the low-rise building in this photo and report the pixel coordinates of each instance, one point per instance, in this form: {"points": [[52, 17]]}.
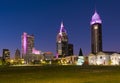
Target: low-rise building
{"points": [[115, 59], [92, 59], [104, 58]]}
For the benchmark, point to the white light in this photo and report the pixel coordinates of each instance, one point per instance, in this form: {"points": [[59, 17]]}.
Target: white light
{"points": [[104, 58], [96, 27]]}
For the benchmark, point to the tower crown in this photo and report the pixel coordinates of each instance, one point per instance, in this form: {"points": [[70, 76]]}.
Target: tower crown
{"points": [[62, 29], [95, 19]]}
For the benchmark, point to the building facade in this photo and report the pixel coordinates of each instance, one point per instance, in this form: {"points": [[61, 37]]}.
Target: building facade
{"points": [[96, 33], [115, 59], [6, 54], [70, 50], [104, 58], [17, 54], [62, 42], [27, 44]]}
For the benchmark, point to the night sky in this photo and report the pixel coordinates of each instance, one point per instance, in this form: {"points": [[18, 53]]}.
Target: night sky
{"points": [[43, 18]]}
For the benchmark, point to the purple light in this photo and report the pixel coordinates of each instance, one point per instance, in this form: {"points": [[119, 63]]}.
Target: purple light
{"points": [[24, 42], [56, 55], [34, 51], [62, 29], [95, 19]]}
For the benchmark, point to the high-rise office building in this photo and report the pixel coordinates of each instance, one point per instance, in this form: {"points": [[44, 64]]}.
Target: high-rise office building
{"points": [[70, 50], [17, 54], [6, 54], [27, 44], [96, 33], [62, 42]]}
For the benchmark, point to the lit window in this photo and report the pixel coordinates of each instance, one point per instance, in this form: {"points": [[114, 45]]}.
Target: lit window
{"points": [[95, 27]]}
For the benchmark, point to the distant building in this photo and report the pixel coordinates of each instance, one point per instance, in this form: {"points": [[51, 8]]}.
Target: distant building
{"points": [[70, 50], [115, 59], [37, 52], [27, 44], [104, 58], [97, 55], [6, 54], [33, 58], [68, 60], [17, 54], [96, 33], [92, 58], [48, 55], [62, 42]]}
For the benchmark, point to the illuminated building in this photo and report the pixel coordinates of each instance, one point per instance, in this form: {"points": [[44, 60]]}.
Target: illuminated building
{"points": [[27, 44], [103, 58], [6, 54], [17, 54], [70, 50], [96, 33], [92, 58], [62, 42], [97, 55], [34, 51], [115, 59], [48, 55]]}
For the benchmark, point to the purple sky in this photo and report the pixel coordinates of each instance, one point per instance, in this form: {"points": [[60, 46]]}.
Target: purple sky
{"points": [[43, 17]]}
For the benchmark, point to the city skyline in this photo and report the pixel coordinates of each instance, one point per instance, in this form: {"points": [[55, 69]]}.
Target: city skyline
{"points": [[43, 18]]}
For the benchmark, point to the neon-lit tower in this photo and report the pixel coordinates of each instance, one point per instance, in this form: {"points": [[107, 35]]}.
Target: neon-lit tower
{"points": [[62, 42], [96, 33], [27, 44]]}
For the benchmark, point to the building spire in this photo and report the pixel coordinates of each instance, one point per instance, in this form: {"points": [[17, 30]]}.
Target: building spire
{"points": [[62, 29], [95, 18], [62, 24]]}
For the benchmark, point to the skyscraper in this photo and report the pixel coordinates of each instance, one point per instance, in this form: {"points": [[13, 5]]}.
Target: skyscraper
{"points": [[96, 33], [62, 42], [27, 44]]}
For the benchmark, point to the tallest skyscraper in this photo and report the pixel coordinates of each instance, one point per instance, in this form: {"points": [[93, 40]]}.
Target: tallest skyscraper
{"points": [[96, 33], [62, 42]]}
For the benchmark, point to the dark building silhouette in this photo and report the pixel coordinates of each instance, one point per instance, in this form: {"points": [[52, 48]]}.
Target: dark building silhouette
{"points": [[62, 42], [17, 54], [6, 54], [80, 52], [96, 33], [70, 50]]}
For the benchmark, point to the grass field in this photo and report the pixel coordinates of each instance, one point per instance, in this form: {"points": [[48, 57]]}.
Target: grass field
{"points": [[60, 74]]}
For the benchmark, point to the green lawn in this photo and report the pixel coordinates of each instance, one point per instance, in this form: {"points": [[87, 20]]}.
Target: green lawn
{"points": [[60, 74]]}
